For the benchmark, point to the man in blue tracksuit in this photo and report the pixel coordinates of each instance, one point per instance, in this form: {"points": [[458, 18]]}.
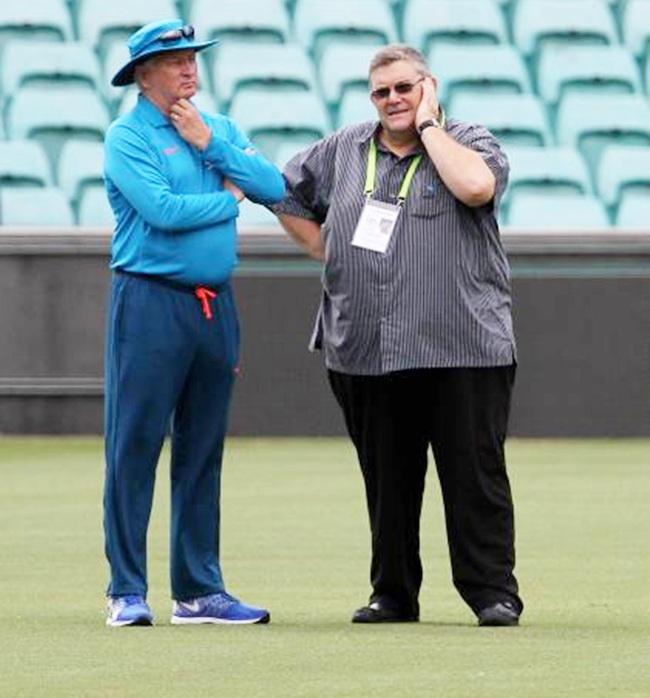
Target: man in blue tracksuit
{"points": [[174, 178]]}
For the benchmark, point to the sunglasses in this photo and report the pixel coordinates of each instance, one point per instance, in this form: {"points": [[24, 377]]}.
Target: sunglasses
{"points": [[186, 32], [401, 88]]}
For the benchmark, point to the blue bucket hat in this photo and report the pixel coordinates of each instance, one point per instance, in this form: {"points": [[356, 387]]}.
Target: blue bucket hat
{"points": [[156, 38]]}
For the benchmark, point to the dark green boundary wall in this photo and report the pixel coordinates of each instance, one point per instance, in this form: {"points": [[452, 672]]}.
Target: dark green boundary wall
{"points": [[582, 318]]}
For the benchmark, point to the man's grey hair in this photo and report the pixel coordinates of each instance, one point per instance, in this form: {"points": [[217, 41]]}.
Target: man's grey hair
{"points": [[399, 52]]}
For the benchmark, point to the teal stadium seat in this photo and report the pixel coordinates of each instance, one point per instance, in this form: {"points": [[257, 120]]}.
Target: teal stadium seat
{"points": [[235, 67], [271, 118], [284, 153], [255, 216], [241, 20], [23, 163], [318, 25], [94, 209], [556, 212], [515, 119], [81, 164], [117, 55], [48, 65], [539, 23], [429, 22], [354, 108], [342, 68], [47, 20], [35, 206], [478, 69], [184, 9], [636, 27], [590, 122], [622, 170], [103, 23], [634, 213], [565, 69], [54, 116], [554, 170]]}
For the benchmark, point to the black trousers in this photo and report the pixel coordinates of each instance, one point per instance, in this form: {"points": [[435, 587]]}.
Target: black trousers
{"points": [[462, 413]]}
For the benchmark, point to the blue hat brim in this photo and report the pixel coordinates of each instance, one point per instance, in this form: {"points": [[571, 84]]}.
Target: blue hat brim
{"points": [[125, 75]]}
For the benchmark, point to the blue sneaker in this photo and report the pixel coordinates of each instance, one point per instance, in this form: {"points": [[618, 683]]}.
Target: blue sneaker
{"points": [[217, 608], [128, 610]]}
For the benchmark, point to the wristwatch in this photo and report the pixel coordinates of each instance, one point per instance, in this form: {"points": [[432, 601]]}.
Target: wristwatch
{"points": [[428, 123]]}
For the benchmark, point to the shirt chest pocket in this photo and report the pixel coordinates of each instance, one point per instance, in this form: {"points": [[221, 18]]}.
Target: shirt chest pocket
{"points": [[430, 198]]}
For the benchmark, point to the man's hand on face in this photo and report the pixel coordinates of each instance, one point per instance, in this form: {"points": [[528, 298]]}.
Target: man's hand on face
{"points": [[429, 107], [189, 124], [234, 190]]}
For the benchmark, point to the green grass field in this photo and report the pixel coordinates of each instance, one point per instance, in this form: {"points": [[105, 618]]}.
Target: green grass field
{"points": [[294, 538]]}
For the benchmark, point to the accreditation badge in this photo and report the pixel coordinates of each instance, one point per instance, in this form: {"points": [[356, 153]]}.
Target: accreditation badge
{"points": [[376, 224]]}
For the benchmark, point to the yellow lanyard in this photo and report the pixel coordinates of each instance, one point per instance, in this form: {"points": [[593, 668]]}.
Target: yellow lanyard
{"points": [[371, 174]]}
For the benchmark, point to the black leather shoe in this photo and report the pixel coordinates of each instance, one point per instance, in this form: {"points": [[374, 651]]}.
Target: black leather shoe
{"points": [[378, 612], [503, 613]]}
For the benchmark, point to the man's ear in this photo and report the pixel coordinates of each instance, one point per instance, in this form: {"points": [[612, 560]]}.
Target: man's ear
{"points": [[141, 76]]}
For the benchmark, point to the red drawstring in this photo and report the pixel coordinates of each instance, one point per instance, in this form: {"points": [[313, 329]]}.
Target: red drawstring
{"points": [[205, 295]]}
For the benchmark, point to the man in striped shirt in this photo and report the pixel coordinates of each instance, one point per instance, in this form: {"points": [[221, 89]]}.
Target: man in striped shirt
{"points": [[416, 329]]}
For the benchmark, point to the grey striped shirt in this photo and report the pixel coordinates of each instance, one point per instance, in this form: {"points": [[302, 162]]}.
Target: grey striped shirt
{"points": [[440, 295]]}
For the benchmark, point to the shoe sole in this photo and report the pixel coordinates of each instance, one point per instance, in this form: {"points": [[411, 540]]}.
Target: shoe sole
{"points": [[177, 620], [385, 620], [498, 622], [139, 622]]}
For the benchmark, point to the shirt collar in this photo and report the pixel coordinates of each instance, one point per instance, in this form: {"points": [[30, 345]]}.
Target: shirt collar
{"points": [[150, 112]]}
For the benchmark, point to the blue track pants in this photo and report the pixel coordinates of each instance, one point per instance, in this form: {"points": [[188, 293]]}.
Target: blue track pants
{"points": [[165, 359]]}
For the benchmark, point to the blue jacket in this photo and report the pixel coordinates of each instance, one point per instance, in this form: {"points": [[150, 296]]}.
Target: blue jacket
{"points": [[173, 217]]}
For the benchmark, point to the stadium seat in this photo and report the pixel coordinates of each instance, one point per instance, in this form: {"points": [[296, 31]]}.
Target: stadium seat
{"points": [[94, 209], [477, 68], [344, 67], [564, 69], [254, 216], [556, 212], [318, 25], [623, 169], [354, 108], [280, 66], [34, 206], [117, 55], [554, 170], [634, 212], [47, 20], [537, 24], [54, 116], [635, 26], [23, 163], [284, 153], [452, 21], [589, 122], [265, 115], [81, 164], [241, 20], [102, 23], [517, 119], [48, 64]]}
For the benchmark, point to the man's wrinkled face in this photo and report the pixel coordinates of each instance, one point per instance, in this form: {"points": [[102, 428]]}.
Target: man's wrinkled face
{"points": [[396, 90], [170, 76]]}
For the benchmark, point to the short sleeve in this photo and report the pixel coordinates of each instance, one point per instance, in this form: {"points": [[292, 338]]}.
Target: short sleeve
{"points": [[478, 138], [309, 178]]}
